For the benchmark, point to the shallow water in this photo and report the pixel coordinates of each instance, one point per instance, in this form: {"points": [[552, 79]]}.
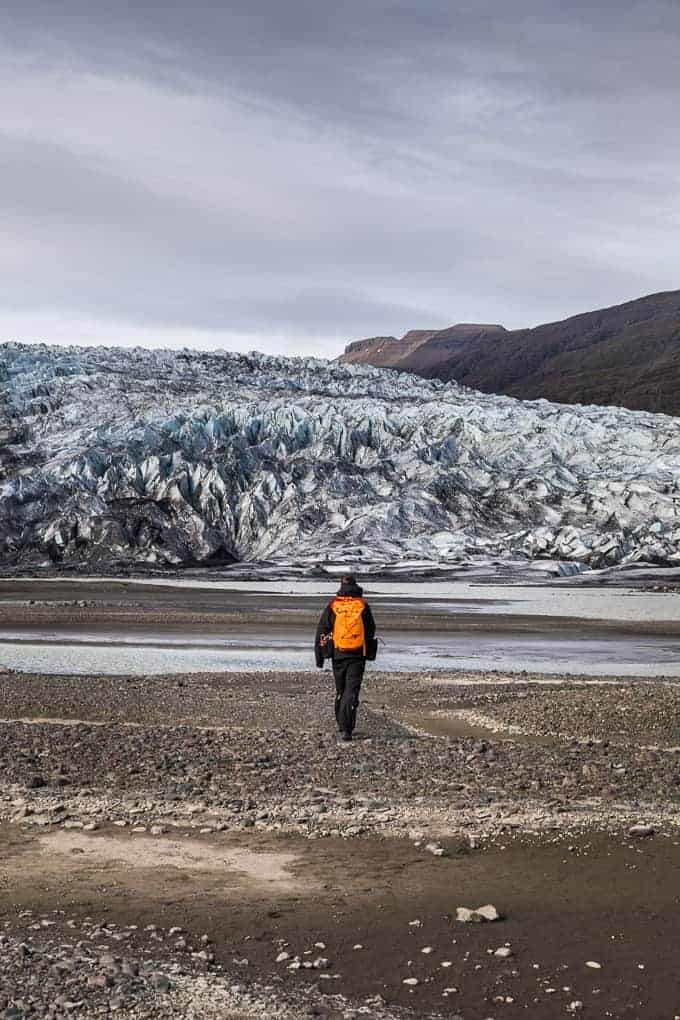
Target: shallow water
{"points": [[116, 652]]}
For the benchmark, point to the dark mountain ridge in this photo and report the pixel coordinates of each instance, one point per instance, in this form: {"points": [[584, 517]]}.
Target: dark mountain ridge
{"points": [[627, 355]]}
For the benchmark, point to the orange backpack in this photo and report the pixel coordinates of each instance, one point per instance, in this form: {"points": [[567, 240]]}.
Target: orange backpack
{"points": [[348, 629]]}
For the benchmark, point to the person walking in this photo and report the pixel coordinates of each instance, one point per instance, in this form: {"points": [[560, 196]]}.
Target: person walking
{"points": [[347, 622]]}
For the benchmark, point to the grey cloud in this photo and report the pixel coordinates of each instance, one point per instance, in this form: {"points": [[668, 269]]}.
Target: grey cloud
{"points": [[162, 260], [342, 169]]}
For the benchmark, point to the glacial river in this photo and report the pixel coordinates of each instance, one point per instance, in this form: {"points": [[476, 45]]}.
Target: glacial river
{"points": [[116, 652], [561, 628]]}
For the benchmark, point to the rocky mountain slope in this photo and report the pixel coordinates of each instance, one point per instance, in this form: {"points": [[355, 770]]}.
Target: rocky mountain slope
{"points": [[417, 347], [129, 456], [422, 347], [628, 355]]}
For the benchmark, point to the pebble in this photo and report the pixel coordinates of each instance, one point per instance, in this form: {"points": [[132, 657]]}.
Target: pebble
{"points": [[411, 981], [466, 915], [99, 981], [641, 830]]}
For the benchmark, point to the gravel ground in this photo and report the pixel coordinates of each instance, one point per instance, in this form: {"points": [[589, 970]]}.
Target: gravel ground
{"points": [[645, 713], [57, 969], [519, 782], [228, 749]]}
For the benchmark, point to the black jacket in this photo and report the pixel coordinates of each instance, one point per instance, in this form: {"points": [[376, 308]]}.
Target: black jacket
{"points": [[327, 622]]}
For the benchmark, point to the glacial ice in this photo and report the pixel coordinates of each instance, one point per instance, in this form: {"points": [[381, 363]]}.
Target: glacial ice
{"points": [[172, 458]]}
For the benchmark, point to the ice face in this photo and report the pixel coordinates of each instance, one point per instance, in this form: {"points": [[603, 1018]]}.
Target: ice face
{"points": [[112, 456]]}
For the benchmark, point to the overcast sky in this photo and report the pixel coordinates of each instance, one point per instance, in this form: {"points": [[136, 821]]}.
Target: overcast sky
{"points": [[289, 175]]}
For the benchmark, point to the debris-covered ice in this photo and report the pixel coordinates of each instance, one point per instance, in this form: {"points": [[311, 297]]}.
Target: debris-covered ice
{"points": [[183, 457]]}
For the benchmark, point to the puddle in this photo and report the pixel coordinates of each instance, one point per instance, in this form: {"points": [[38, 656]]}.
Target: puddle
{"points": [[159, 854], [467, 725], [518, 681]]}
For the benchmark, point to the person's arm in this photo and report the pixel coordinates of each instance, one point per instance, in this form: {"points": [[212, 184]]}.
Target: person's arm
{"points": [[369, 623], [325, 626]]}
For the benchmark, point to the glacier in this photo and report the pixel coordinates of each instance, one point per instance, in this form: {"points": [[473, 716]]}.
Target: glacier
{"points": [[162, 458]]}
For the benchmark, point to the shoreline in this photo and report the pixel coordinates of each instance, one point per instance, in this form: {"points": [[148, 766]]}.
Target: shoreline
{"points": [[141, 605]]}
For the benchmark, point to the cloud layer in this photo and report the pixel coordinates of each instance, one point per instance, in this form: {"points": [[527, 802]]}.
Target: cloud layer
{"points": [[290, 176]]}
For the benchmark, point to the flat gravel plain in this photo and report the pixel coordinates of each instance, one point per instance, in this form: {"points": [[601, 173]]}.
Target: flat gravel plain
{"points": [[202, 846]]}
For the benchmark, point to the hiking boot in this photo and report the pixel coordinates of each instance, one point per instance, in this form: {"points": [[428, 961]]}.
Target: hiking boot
{"points": [[345, 735]]}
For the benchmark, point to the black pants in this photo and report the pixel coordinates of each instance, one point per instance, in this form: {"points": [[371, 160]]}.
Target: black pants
{"points": [[348, 675]]}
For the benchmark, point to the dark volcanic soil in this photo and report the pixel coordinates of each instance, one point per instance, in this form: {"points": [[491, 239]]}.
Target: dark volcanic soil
{"points": [[223, 805], [565, 904]]}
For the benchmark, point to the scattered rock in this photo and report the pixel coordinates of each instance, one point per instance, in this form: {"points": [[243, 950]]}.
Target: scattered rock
{"points": [[161, 982], [466, 915], [641, 830]]}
